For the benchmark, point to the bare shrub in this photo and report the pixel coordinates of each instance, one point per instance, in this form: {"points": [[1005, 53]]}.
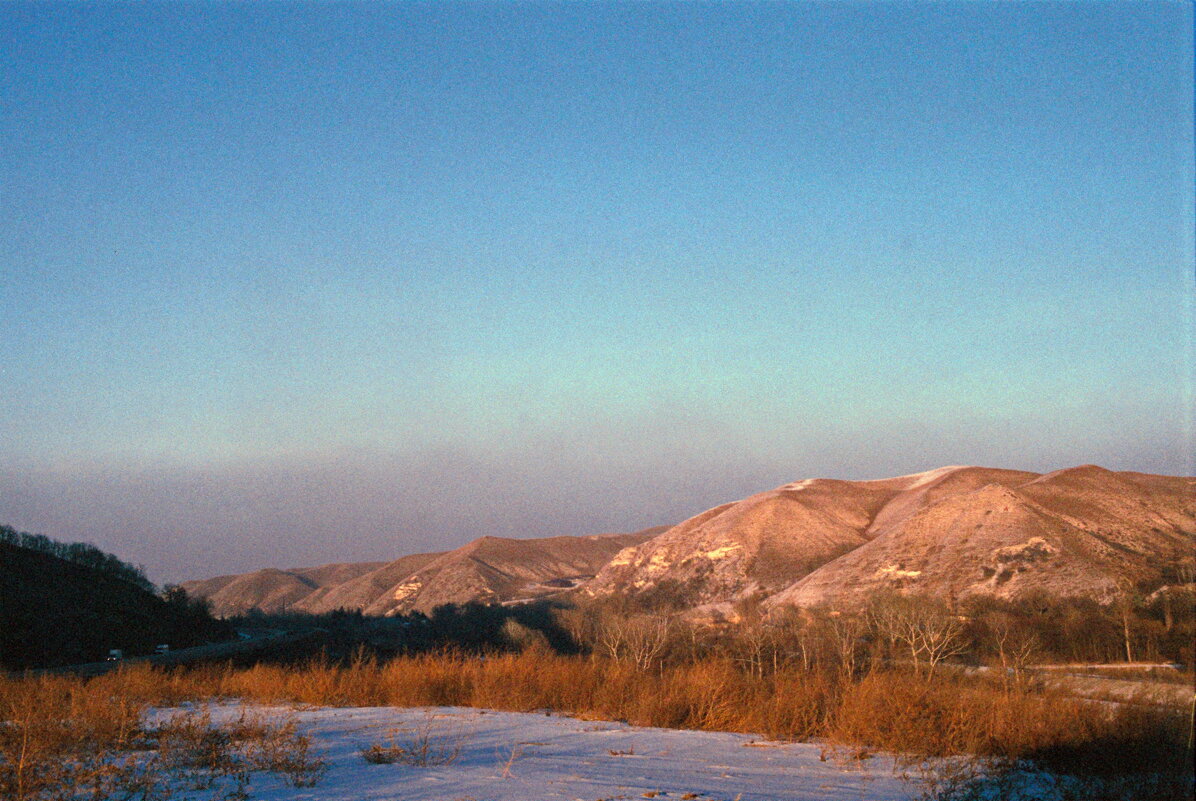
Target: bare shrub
{"points": [[64, 738], [58, 741], [201, 754], [191, 746], [512, 753], [425, 745], [280, 748]]}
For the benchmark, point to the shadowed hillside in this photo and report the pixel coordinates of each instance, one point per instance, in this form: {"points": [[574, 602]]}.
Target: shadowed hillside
{"points": [[57, 612]]}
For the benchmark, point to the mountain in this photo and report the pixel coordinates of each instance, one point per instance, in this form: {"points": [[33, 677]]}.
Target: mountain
{"points": [[272, 590], [489, 569], [950, 532], [1081, 532], [363, 590], [496, 570]]}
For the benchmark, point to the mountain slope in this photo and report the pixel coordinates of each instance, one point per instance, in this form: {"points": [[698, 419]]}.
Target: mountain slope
{"points": [[489, 569], [496, 569], [1081, 532], [759, 544], [271, 590], [364, 589], [950, 532]]}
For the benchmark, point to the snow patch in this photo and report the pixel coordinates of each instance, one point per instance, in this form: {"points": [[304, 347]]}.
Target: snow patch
{"points": [[659, 561], [621, 558], [723, 552], [895, 572], [922, 479], [931, 476]]}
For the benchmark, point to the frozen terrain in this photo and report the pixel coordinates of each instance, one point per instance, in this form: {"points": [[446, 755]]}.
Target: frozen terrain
{"points": [[510, 756]]}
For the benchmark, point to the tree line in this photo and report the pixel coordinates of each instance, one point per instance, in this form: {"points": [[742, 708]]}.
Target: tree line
{"points": [[922, 633], [65, 604], [79, 553]]}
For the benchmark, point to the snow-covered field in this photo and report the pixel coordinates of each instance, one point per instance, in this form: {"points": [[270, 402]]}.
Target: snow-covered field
{"points": [[509, 756]]}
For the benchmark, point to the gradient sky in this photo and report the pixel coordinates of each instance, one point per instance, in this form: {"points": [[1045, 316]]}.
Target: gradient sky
{"points": [[288, 284]]}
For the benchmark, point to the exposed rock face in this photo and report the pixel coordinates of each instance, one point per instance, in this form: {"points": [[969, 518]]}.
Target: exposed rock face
{"points": [[489, 569], [950, 532]]}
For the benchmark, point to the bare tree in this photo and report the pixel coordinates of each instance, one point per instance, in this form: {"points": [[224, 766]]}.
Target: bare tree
{"points": [[639, 638], [1126, 601], [580, 623], [645, 639], [1015, 647], [920, 626], [797, 635], [846, 633]]}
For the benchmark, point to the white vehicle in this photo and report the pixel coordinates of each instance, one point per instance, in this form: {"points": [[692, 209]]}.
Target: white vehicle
{"points": [[162, 649], [115, 655]]}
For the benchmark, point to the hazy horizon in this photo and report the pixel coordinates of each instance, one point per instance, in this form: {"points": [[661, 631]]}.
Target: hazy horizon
{"points": [[294, 284]]}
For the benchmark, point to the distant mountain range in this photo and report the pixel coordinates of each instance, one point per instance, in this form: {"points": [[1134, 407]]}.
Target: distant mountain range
{"points": [[953, 532], [489, 569]]}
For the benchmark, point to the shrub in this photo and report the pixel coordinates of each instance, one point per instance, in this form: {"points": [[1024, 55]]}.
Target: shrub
{"points": [[423, 746]]}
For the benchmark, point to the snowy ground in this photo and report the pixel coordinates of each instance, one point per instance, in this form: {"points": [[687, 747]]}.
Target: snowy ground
{"points": [[509, 756]]}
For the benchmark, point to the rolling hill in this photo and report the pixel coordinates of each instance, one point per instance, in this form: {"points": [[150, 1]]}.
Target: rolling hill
{"points": [[272, 590], [950, 532], [489, 569]]}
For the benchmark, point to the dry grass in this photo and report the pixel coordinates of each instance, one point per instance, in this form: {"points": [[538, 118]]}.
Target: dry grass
{"points": [[56, 733], [63, 738], [890, 710]]}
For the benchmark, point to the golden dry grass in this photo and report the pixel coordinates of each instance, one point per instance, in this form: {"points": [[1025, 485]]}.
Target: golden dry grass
{"points": [[884, 709], [66, 731]]}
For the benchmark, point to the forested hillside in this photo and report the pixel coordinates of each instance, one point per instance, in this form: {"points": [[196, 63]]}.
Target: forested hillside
{"points": [[61, 611]]}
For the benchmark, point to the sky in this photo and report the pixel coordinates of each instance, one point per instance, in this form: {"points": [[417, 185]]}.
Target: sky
{"points": [[285, 284]]}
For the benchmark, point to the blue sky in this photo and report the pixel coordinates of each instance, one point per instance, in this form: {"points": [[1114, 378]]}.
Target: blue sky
{"points": [[286, 284]]}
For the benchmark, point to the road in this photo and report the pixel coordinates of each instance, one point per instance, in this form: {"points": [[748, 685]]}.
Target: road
{"points": [[185, 656]]}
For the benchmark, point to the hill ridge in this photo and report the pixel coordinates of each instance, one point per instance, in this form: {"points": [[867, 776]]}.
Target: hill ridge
{"points": [[908, 534], [950, 531]]}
